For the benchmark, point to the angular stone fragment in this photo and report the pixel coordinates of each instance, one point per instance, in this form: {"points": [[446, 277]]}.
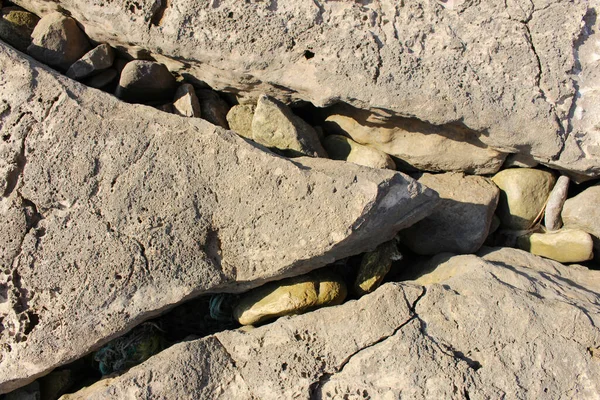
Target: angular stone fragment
{"points": [[565, 245], [419, 145], [523, 194], [16, 27], [556, 200], [136, 212], [461, 222], [374, 266], [213, 108], [185, 102], [94, 61], [583, 212], [342, 148], [58, 41], [240, 117], [145, 82], [103, 79], [275, 125]]}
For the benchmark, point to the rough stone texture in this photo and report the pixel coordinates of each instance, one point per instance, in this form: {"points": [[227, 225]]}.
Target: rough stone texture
{"points": [[342, 148], [461, 221], [418, 145], [290, 296], [57, 41], [275, 125], [94, 61], [134, 211], [145, 82], [504, 69], [565, 245], [213, 108], [16, 27], [583, 212], [185, 102], [556, 200], [523, 194], [480, 331], [240, 117]]}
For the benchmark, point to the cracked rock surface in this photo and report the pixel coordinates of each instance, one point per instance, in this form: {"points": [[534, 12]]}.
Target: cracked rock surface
{"points": [[502, 69], [115, 212], [477, 329]]}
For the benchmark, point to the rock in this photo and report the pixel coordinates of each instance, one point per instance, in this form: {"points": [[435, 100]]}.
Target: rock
{"points": [[290, 296], [133, 211], [213, 108], [185, 102], [565, 245], [517, 160], [462, 220], [240, 119], [556, 200], [583, 212], [145, 82], [16, 27], [342, 148], [481, 332], [57, 41], [94, 61], [275, 125], [103, 79], [418, 145], [523, 194], [374, 266]]}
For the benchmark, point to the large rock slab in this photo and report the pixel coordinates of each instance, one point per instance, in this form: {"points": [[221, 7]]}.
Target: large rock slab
{"points": [[525, 85], [478, 329], [134, 210]]}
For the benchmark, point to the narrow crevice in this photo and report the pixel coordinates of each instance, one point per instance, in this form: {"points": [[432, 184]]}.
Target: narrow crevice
{"points": [[158, 12]]}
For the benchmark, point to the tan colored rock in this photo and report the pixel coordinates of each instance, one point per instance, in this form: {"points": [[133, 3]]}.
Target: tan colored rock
{"points": [[418, 145], [57, 41], [374, 266], [565, 245], [583, 212], [290, 296], [240, 117], [342, 148], [145, 82], [556, 200], [16, 27], [185, 102], [93, 62], [523, 194]]}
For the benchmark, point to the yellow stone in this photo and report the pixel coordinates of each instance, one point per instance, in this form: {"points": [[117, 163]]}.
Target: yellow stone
{"points": [[565, 245]]}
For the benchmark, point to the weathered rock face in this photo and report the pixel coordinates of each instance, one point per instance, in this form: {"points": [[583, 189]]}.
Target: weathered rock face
{"points": [[418, 59], [240, 119], [93, 62], [583, 212], [565, 245], [405, 340], [186, 102], [343, 148], [115, 212], [145, 82]]}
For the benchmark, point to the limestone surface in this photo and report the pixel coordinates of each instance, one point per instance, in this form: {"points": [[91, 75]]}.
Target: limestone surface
{"points": [[145, 82], [565, 245], [240, 117], [343, 148], [92, 62], [116, 212], [186, 102], [556, 201]]}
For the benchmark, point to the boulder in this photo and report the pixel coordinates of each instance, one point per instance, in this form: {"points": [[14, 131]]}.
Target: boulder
{"points": [[213, 108], [145, 82], [418, 145], [480, 331], [93, 62], [114, 212], [523, 195], [185, 102], [290, 296], [583, 212], [275, 125], [565, 245], [556, 200], [342, 148], [16, 27], [240, 117], [374, 266], [461, 222], [57, 41]]}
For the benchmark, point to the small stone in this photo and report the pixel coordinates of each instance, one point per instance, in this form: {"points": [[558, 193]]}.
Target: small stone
{"points": [[145, 82], [342, 148], [290, 296], [93, 62], [517, 160], [186, 102], [523, 193], [16, 27], [240, 119], [103, 79], [583, 212], [556, 200], [374, 267], [565, 246], [213, 108], [275, 125], [58, 41]]}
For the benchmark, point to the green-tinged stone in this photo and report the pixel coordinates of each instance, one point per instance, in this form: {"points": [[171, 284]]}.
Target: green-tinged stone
{"points": [[374, 267], [565, 245], [16, 26]]}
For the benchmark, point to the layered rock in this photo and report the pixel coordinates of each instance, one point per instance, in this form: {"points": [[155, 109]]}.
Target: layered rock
{"points": [[115, 212]]}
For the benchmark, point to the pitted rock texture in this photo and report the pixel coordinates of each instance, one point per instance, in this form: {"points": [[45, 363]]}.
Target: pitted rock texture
{"points": [[503, 69], [116, 212], [421, 342]]}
